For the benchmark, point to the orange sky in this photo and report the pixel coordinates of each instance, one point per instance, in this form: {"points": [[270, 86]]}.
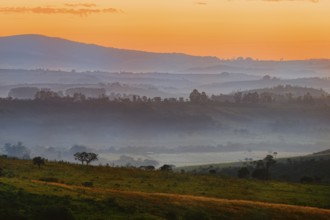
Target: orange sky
{"points": [[263, 29]]}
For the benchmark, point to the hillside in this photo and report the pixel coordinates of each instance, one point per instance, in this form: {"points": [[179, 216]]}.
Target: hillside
{"points": [[55, 191], [37, 51], [293, 169], [295, 91]]}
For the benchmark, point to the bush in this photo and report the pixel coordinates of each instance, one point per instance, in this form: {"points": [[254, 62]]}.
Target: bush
{"points": [[87, 184]]}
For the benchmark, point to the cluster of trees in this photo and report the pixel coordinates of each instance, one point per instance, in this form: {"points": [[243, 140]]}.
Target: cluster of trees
{"points": [[261, 169], [265, 97], [253, 97], [197, 97]]}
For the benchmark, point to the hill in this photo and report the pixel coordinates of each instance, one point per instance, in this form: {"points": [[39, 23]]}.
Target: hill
{"points": [[295, 91], [37, 51], [314, 166], [56, 191], [228, 87], [282, 68]]}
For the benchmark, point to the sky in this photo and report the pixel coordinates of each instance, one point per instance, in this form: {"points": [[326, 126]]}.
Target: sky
{"points": [[261, 29]]}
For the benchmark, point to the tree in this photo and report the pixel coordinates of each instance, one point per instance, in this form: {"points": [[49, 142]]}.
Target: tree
{"points": [[80, 156], [90, 157], [269, 161], [262, 167], [85, 157], [166, 167], [203, 97], [194, 96], [38, 161], [197, 97]]}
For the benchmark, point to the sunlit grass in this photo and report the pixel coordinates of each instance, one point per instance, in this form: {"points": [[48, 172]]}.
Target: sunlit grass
{"points": [[157, 193]]}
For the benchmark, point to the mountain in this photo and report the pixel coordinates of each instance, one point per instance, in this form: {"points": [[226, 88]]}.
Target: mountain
{"points": [[37, 51]]}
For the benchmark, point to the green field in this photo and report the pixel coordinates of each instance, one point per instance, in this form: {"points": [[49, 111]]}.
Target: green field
{"points": [[56, 191]]}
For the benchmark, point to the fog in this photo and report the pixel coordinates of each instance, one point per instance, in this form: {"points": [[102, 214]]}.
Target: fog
{"points": [[138, 109], [157, 130]]}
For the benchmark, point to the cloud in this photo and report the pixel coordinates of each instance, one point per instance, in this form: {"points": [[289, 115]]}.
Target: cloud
{"points": [[55, 10], [86, 5], [200, 3]]}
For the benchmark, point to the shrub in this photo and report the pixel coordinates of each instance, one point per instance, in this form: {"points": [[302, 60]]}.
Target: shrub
{"points": [[87, 184]]}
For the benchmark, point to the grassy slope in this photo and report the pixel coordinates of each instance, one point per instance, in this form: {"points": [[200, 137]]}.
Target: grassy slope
{"points": [[317, 156], [121, 192]]}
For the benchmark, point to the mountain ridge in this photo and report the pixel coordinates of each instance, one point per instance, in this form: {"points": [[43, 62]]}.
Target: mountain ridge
{"points": [[39, 51], [33, 51]]}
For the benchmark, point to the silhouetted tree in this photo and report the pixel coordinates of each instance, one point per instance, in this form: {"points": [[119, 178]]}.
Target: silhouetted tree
{"points": [[197, 97], [80, 156], [166, 167], [85, 157], [194, 96], [38, 161], [269, 161], [262, 167], [91, 157]]}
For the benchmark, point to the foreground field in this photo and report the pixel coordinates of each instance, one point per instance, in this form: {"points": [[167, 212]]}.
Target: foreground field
{"points": [[56, 191]]}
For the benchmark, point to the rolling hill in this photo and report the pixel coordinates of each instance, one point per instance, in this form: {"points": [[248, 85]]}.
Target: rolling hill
{"points": [[36, 51], [58, 190]]}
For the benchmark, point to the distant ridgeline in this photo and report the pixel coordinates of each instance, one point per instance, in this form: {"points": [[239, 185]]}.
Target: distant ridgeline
{"points": [[278, 94], [33, 92]]}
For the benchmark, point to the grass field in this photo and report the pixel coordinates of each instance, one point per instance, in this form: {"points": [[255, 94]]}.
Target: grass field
{"points": [[27, 192]]}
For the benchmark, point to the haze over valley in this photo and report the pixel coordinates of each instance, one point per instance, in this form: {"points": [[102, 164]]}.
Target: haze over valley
{"points": [[147, 112]]}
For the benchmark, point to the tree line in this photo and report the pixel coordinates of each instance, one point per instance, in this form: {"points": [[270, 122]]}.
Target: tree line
{"points": [[195, 97]]}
